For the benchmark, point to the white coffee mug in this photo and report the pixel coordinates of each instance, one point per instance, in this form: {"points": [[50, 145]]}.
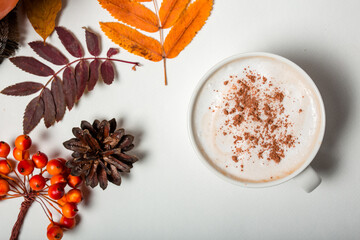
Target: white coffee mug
{"points": [[305, 175]]}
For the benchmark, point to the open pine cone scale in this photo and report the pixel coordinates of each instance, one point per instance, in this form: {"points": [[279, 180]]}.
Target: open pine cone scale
{"points": [[100, 153]]}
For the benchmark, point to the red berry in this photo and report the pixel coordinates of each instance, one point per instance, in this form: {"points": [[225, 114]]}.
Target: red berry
{"points": [[20, 154], [58, 179], [4, 187], [74, 181], [68, 223], [37, 182], [5, 167], [69, 210], [55, 233], [4, 149], [54, 167], [56, 191], [40, 159], [52, 224], [74, 195], [23, 142], [25, 167], [62, 201], [62, 160]]}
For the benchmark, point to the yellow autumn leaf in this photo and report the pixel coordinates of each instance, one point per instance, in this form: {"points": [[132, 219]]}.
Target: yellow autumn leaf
{"points": [[42, 15], [132, 40]]}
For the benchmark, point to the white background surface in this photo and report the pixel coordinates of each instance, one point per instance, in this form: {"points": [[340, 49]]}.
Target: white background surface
{"points": [[169, 194]]}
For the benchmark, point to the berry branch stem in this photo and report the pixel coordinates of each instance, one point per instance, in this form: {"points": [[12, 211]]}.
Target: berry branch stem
{"points": [[13, 195], [39, 200], [51, 220], [14, 187], [22, 185], [26, 192], [41, 196], [25, 205]]}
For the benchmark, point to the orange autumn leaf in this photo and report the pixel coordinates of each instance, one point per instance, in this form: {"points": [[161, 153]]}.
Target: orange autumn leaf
{"points": [[170, 11], [184, 20], [42, 15], [186, 27], [133, 41], [132, 13]]}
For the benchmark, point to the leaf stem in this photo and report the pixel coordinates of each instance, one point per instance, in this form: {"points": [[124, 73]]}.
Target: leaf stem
{"points": [[89, 58], [161, 32]]}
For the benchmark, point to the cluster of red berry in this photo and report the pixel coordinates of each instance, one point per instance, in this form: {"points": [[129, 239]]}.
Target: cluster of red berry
{"points": [[37, 188]]}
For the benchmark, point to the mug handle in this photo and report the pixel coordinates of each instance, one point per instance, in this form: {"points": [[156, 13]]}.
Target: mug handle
{"points": [[308, 179]]}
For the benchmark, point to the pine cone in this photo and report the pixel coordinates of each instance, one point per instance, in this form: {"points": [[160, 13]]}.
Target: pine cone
{"points": [[100, 152]]}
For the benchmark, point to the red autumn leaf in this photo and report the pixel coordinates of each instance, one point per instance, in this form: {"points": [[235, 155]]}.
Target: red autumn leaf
{"points": [[49, 107], [22, 89], [71, 44], [94, 74], [33, 113], [81, 76], [107, 72], [49, 53], [69, 87], [59, 98], [111, 52], [33, 66], [92, 42]]}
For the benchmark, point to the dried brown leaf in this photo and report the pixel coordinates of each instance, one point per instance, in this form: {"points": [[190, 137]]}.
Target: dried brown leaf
{"points": [[49, 104], [49, 53], [92, 42], [59, 98], [71, 44], [22, 89], [94, 74], [33, 66], [33, 113], [69, 87], [82, 77], [107, 72]]}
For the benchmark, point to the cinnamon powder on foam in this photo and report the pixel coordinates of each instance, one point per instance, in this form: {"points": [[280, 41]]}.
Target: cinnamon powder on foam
{"points": [[254, 117]]}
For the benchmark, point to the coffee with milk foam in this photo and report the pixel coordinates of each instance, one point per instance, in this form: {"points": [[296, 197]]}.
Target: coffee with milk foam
{"points": [[257, 119]]}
